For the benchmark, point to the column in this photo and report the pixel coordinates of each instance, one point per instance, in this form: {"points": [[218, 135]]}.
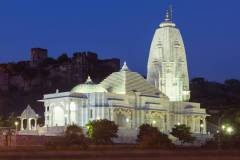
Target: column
{"points": [[204, 125], [22, 124], [68, 111], [28, 124], [193, 124], [35, 124], [197, 125]]}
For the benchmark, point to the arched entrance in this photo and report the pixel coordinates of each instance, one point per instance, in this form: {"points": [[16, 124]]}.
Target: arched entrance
{"points": [[121, 120], [58, 116]]}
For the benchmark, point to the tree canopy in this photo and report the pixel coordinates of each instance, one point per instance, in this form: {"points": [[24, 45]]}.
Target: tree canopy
{"points": [[102, 131], [182, 132], [151, 137]]}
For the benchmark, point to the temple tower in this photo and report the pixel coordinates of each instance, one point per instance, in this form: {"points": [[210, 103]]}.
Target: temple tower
{"points": [[167, 64]]}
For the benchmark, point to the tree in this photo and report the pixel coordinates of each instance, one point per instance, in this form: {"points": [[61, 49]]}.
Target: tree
{"points": [[182, 132], [102, 131], [63, 58], [151, 137], [48, 62], [73, 130], [74, 136]]}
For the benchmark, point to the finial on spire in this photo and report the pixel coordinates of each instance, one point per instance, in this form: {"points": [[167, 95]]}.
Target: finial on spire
{"points": [[124, 67], [89, 80], [168, 16]]}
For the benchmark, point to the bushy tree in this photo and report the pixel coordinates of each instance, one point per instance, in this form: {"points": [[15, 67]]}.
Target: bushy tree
{"points": [[151, 137], [74, 136], [73, 130], [182, 132], [63, 58], [102, 131]]}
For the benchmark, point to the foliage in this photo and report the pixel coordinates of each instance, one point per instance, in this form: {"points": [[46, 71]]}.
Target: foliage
{"points": [[182, 132], [73, 130], [102, 131], [63, 58], [73, 137], [9, 121], [48, 62], [151, 137]]}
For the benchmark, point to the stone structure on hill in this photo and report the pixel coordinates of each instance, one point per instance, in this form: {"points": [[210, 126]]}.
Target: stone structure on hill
{"points": [[26, 75], [38, 55]]}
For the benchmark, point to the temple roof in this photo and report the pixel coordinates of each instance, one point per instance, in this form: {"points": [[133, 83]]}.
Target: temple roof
{"points": [[29, 113], [125, 81], [122, 82]]}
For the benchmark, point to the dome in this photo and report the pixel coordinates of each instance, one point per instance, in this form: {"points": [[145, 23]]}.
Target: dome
{"points": [[88, 87]]}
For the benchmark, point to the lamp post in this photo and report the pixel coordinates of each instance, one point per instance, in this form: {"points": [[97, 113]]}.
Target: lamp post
{"points": [[219, 131], [16, 125]]}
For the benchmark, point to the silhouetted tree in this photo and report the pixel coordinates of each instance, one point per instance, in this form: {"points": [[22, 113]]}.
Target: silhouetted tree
{"points": [[182, 132], [151, 137], [63, 58], [102, 131]]}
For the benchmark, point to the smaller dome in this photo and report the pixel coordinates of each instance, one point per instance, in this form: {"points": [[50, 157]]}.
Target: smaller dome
{"points": [[88, 87]]}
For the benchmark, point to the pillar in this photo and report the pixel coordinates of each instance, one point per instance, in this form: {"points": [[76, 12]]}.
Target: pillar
{"points": [[22, 124], [193, 124], [28, 124], [204, 125], [35, 124]]}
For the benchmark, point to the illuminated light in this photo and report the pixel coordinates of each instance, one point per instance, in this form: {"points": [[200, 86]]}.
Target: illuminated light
{"points": [[178, 123], [98, 117], [223, 127], [201, 125], [154, 122], [16, 123], [217, 131], [127, 120], [229, 130]]}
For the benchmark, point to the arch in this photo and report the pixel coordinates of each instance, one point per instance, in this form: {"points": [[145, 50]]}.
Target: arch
{"points": [[58, 116], [32, 124], [121, 120], [24, 121], [73, 113]]}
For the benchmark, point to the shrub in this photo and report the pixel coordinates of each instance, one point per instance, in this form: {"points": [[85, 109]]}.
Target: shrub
{"points": [[73, 137], [151, 137], [182, 132], [102, 131]]}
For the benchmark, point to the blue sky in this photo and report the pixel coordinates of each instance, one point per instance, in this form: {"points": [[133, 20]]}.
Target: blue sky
{"points": [[124, 29]]}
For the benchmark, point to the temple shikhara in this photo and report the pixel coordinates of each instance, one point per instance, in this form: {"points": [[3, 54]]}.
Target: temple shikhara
{"points": [[128, 99]]}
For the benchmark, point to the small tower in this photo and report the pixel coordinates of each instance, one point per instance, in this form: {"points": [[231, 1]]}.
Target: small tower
{"points": [[38, 55]]}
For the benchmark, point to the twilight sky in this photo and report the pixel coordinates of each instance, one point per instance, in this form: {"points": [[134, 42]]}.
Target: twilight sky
{"points": [[124, 29]]}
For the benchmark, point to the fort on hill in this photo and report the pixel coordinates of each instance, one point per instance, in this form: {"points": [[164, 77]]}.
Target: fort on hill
{"points": [[25, 81], [25, 75]]}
